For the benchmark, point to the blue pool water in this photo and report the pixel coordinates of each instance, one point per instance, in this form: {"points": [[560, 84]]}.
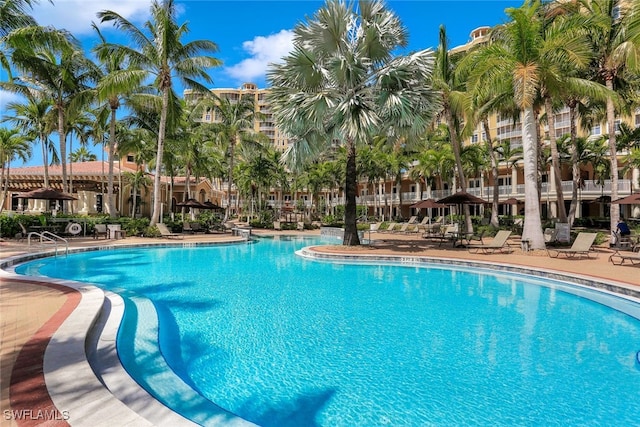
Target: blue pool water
{"points": [[284, 341]]}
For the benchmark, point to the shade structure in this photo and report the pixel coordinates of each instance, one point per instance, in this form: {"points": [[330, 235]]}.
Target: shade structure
{"points": [[210, 205], [47, 193], [511, 201], [633, 199], [190, 203], [428, 204], [462, 198]]}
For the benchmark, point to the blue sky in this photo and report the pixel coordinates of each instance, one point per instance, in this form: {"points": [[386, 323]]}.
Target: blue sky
{"points": [[253, 33]]}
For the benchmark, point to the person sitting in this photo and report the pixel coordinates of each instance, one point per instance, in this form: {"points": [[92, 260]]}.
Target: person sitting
{"points": [[623, 228]]}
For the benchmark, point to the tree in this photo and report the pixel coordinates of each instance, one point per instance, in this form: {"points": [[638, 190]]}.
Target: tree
{"points": [[32, 118], [116, 81], [139, 182], [161, 53], [83, 155], [342, 83], [235, 119], [514, 57], [451, 88], [13, 145], [615, 42]]}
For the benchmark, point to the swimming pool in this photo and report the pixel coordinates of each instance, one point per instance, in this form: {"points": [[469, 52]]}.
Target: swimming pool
{"points": [[280, 340]]}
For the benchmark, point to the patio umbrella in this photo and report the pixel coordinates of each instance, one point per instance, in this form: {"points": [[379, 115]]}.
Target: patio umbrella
{"points": [[46, 194], [633, 199], [210, 205], [428, 204], [462, 198], [511, 201], [190, 203]]}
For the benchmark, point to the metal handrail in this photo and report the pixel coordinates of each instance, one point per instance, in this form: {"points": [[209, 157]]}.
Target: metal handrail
{"points": [[43, 236]]}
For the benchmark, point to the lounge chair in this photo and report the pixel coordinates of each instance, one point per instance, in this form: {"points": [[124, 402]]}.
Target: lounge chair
{"points": [[412, 220], [581, 246], [498, 244], [450, 233], [391, 226], [277, 226], [164, 232], [403, 228], [619, 258], [300, 226], [186, 227], [100, 230], [196, 227]]}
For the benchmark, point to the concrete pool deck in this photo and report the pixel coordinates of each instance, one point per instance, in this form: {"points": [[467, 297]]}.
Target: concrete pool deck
{"points": [[33, 310]]}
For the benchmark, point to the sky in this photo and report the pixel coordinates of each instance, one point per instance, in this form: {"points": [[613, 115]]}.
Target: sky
{"points": [[251, 34]]}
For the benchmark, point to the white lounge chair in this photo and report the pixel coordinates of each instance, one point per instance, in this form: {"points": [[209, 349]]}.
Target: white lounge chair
{"points": [[164, 232], [581, 246], [498, 244]]}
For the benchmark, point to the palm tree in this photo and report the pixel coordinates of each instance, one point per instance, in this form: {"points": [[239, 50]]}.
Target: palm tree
{"points": [[116, 82], [163, 56], [342, 83], [615, 42], [13, 15], [33, 118], [235, 119], [447, 81], [83, 155], [139, 182], [58, 72], [13, 145], [515, 57]]}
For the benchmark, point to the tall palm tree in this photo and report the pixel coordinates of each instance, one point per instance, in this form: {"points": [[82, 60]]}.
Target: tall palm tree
{"points": [[235, 119], [162, 54], [33, 118], [59, 73], [615, 42], [447, 81], [117, 80], [13, 145], [515, 57], [342, 83]]}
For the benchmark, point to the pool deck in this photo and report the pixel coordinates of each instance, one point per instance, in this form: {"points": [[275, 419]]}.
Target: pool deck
{"points": [[32, 311]]}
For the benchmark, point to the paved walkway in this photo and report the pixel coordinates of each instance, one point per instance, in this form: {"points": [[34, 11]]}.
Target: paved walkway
{"points": [[31, 311]]}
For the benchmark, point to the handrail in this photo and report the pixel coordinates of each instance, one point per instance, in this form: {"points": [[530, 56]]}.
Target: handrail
{"points": [[43, 236]]}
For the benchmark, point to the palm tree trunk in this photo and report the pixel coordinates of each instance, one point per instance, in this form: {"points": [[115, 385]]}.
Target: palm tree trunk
{"points": [[232, 144], [613, 157], [4, 182], [112, 143], [575, 167], [63, 148], [532, 229], [350, 189], [155, 217], [45, 160], [453, 135], [555, 161], [495, 221]]}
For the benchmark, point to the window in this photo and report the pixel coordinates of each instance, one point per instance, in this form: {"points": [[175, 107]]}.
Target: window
{"points": [[596, 130], [638, 120], [483, 136], [130, 158], [474, 138], [207, 117], [616, 125]]}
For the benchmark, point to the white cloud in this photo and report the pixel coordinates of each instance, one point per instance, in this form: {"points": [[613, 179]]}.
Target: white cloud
{"points": [[76, 15], [263, 51], [6, 98]]}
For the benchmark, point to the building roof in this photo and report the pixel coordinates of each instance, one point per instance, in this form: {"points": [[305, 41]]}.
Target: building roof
{"points": [[79, 168]]}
